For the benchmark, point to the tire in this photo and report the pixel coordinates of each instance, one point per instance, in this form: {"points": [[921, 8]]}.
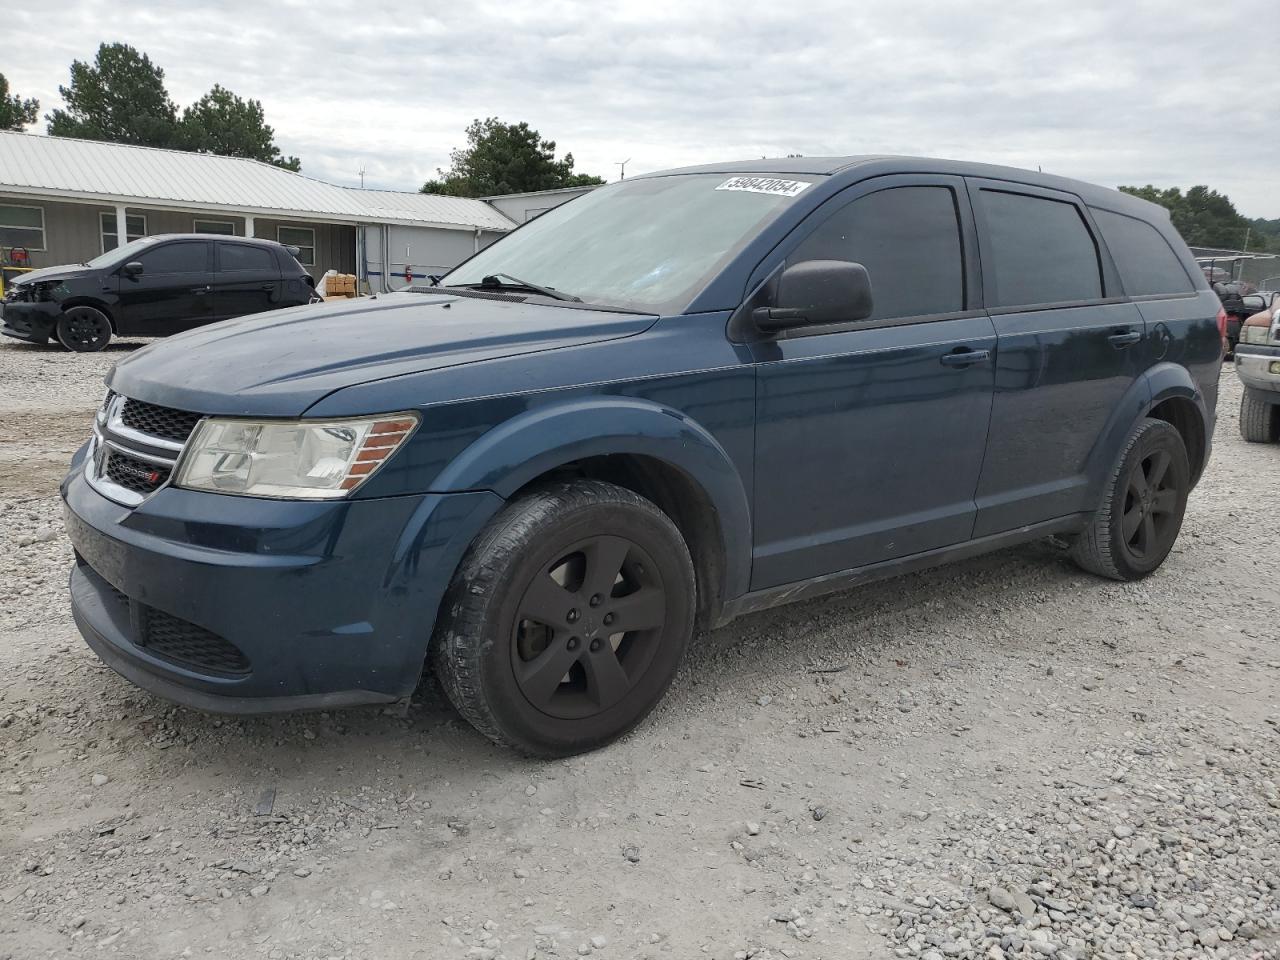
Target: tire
{"points": [[1141, 513], [84, 329], [522, 647], [1259, 420]]}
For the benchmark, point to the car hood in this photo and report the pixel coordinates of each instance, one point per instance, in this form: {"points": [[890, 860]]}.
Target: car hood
{"points": [[67, 271], [280, 363]]}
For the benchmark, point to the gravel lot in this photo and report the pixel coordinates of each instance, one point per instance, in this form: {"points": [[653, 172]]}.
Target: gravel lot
{"points": [[1001, 758]]}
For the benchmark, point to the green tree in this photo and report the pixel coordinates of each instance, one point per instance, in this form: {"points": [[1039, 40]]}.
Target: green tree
{"points": [[1204, 217], [505, 158], [16, 113], [120, 97], [222, 123]]}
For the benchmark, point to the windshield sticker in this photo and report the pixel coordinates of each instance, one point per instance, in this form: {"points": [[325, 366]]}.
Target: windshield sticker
{"points": [[779, 188]]}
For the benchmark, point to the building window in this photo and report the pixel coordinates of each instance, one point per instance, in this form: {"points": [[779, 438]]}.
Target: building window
{"points": [[304, 238], [135, 224], [224, 228], [22, 227]]}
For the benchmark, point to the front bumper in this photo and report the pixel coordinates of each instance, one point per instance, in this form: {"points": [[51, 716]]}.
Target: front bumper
{"points": [[34, 322], [239, 604], [1253, 367]]}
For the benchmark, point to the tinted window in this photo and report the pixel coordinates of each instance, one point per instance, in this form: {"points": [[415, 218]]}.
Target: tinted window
{"points": [[908, 238], [176, 258], [1041, 251], [1146, 262], [240, 256]]}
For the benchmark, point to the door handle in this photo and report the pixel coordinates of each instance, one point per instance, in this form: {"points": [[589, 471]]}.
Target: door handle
{"points": [[1124, 338], [199, 291], [268, 286], [965, 357]]}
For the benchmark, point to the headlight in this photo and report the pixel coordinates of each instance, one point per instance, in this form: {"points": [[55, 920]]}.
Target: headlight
{"points": [[294, 459], [1254, 333]]}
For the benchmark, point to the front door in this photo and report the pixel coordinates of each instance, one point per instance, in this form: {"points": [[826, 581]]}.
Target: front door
{"points": [[246, 280], [171, 294], [1070, 349], [870, 434]]}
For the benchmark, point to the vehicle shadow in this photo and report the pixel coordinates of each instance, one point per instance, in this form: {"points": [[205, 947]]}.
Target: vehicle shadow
{"points": [[908, 618]]}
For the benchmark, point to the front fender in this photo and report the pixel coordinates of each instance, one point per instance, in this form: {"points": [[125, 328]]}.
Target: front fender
{"points": [[538, 441]]}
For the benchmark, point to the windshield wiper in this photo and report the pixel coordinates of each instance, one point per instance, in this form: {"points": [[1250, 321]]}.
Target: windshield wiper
{"points": [[495, 280]]}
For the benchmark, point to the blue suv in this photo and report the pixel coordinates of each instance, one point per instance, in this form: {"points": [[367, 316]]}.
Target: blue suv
{"points": [[675, 400]]}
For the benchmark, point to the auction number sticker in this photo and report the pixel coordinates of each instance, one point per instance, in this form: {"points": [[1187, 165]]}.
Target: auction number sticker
{"points": [[771, 185]]}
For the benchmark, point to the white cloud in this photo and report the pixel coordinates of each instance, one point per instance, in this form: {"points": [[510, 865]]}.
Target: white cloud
{"points": [[1137, 92]]}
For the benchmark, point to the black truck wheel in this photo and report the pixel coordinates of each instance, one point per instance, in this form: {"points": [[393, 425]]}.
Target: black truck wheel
{"points": [[567, 619], [1141, 513], [1259, 420], [84, 329]]}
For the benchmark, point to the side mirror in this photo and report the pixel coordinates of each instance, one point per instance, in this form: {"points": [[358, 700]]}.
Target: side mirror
{"points": [[1254, 303], [132, 268], [817, 292]]}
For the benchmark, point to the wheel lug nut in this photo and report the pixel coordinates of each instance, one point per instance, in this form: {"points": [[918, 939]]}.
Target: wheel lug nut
{"points": [[595, 645], [573, 643], [573, 616], [595, 600], [608, 619]]}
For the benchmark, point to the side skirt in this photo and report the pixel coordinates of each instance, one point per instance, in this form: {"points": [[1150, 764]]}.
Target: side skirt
{"points": [[786, 593]]}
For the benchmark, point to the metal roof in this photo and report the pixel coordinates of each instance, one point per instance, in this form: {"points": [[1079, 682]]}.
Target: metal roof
{"points": [[62, 167]]}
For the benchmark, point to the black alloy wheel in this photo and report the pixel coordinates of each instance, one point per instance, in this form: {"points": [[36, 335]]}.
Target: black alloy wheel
{"points": [[84, 329], [567, 619], [1151, 516], [588, 627], [1143, 503]]}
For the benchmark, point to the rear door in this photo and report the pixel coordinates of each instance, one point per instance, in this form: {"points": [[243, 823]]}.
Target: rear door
{"points": [[171, 294], [1070, 348], [246, 279], [870, 434]]}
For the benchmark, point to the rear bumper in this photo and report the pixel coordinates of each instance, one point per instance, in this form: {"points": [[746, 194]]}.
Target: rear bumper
{"points": [[34, 322], [1253, 367], [240, 605]]}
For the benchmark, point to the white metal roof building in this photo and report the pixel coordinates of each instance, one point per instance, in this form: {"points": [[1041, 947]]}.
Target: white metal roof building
{"points": [[66, 200]]}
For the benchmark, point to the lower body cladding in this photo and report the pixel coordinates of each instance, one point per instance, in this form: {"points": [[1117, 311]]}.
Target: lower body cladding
{"points": [[1259, 369], [244, 605], [33, 322]]}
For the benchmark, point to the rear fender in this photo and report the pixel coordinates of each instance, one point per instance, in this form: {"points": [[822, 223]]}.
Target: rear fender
{"points": [[1156, 385], [539, 441]]}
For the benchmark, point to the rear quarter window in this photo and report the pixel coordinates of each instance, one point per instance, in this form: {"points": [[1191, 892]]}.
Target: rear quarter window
{"points": [[1041, 251], [1147, 264]]}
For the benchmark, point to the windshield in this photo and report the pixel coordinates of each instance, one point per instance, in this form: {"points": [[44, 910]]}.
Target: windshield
{"points": [[121, 254], [648, 244]]}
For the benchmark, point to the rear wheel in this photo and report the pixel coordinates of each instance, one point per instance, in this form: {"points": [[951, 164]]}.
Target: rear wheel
{"points": [[1259, 420], [84, 329], [1134, 530], [567, 619]]}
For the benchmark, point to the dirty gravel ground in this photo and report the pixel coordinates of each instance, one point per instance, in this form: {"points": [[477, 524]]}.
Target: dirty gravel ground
{"points": [[1002, 758]]}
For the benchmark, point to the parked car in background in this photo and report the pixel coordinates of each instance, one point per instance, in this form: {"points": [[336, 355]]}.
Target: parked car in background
{"points": [[677, 399], [153, 287], [1235, 296], [1258, 366]]}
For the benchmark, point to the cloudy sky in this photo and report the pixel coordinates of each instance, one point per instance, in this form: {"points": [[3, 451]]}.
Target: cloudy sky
{"points": [[1113, 91]]}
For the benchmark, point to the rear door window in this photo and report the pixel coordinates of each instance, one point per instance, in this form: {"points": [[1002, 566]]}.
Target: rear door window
{"points": [[1039, 251], [176, 258], [1147, 264], [908, 238], [241, 257]]}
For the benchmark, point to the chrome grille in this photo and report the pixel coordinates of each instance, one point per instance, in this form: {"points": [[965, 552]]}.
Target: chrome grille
{"points": [[135, 447]]}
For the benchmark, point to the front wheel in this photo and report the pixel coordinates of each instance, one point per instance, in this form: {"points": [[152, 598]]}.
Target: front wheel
{"points": [[84, 329], [1259, 420], [567, 619], [1141, 513]]}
